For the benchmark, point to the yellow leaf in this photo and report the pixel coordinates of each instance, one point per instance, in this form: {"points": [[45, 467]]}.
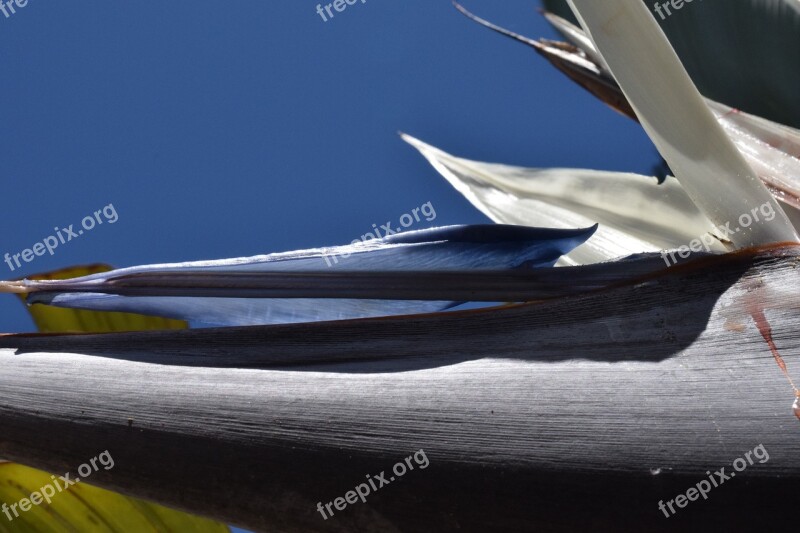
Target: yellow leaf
{"points": [[83, 508]]}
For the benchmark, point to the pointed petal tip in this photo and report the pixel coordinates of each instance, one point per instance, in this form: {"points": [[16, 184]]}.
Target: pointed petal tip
{"points": [[552, 18], [410, 139], [427, 151], [421, 145]]}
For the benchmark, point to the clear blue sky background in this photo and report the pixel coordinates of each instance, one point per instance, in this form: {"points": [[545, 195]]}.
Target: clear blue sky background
{"points": [[238, 128]]}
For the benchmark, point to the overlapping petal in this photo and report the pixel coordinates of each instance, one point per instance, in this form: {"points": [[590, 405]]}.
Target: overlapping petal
{"points": [[307, 285]]}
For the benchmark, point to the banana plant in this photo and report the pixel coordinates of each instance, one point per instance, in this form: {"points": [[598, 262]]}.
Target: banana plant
{"points": [[636, 337]]}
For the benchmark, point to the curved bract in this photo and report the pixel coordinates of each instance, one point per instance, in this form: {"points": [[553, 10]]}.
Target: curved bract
{"points": [[233, 291], [617, 399]]}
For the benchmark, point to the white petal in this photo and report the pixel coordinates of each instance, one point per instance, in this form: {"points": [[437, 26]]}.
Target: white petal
{"points": [[771, 149], [635, 213], [673, 113]]}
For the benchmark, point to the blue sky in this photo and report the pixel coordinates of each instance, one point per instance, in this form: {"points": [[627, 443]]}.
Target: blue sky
{"points": [[223, 130]]}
